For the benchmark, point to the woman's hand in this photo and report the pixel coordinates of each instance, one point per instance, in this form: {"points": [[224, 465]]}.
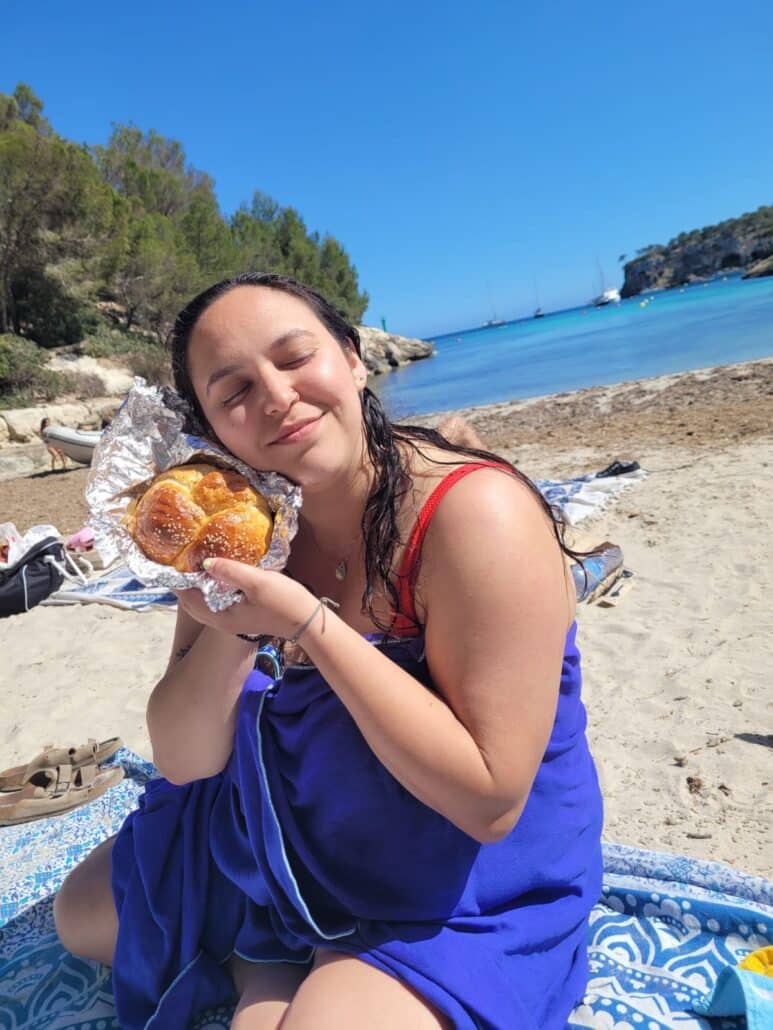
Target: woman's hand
{"points": [[273, 604]]}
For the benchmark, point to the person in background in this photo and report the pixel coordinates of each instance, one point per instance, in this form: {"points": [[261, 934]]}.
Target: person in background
{"points": [[458, 431], [51, 448]]}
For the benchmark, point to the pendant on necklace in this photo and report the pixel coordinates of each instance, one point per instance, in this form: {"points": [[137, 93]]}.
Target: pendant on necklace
{"points": [[341, 570]]}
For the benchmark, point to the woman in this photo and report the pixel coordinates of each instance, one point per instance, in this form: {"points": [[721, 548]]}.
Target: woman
{"points": [[54, 452], [404, 829]]}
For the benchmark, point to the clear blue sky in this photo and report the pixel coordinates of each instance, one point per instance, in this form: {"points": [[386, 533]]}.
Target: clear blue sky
{"points": [[471, 158]]}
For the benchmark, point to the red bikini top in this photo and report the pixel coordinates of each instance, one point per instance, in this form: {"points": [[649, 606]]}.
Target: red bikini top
{"points": [[406, 623]]}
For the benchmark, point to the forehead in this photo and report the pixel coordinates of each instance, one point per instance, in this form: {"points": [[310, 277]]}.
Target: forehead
{"points": [[251, 317]]}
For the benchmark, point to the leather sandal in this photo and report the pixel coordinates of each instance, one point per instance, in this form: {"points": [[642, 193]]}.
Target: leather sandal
{"points": [[51, 791], [50, 757]]}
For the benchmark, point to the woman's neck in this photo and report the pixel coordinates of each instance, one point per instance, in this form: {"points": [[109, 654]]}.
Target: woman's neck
{"points": [[331, 519]]}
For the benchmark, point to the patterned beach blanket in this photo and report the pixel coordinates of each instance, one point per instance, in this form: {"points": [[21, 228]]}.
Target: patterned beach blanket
{"points": [[584, 496], [661, 933], [120, 588]]}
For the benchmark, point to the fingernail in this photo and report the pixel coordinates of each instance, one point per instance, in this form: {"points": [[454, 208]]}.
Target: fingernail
{"points": [[207, 564]]}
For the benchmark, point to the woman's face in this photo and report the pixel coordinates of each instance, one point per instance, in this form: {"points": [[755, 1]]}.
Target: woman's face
{"points": [[278, 390]]}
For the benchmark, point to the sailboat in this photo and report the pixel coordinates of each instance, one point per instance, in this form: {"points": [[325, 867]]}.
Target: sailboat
{"points": [[608, 295], [494, 320]]}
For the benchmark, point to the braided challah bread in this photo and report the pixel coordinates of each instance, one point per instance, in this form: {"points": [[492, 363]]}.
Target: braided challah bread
{"points": [[194, 512]]}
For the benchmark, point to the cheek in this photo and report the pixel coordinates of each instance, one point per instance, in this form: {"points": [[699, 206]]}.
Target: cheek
{"points": [[337, 391], [232, 429]]}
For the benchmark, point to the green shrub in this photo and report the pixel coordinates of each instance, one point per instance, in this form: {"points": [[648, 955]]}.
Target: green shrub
{"points": [[51, 385], [21, 363], [110, 343], [23, 378], [152, 363], [49, 314]]}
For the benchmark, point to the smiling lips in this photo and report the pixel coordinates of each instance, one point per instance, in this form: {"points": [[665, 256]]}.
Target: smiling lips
{"points": [[297, 431]]}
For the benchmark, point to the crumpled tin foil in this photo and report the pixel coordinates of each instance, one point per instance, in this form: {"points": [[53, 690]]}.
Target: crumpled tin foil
{"points": [[149, 435]]}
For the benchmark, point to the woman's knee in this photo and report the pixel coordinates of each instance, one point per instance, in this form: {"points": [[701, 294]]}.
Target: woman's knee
{"points": [[84, 910]]}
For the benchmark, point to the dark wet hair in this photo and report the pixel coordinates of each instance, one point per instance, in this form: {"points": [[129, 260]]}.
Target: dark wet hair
{"points": [[392, 479]]}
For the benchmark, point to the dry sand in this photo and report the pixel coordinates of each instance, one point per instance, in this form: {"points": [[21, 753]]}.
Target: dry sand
{"points": [[677, 673]]}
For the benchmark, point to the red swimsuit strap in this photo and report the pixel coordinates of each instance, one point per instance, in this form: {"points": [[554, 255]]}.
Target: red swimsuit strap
{"points": [[405, 620]]}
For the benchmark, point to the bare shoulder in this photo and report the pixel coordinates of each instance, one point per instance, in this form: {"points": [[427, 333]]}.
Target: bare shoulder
{"points": [[480, 502], [487, 503], [492, 519]]}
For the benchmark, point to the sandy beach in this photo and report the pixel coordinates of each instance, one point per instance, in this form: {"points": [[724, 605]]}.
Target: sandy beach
{"points": [[677, 672]]}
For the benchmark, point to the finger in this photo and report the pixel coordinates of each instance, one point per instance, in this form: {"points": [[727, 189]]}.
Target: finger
{"points": [[233, 573]]}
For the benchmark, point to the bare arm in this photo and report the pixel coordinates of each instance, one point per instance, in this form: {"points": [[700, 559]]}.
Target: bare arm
{"points": [[191, 713], [497, 612], [497, 608]]}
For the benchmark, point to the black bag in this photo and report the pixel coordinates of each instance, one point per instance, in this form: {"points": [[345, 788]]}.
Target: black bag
{"points": [[35, 575]]}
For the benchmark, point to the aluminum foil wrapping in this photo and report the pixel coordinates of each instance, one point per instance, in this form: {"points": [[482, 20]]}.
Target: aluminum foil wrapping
{"points": [[150, 434]]}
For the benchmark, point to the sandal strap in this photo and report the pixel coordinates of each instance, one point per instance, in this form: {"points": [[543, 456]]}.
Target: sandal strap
{"points": [[85, 775], [62, 782]]}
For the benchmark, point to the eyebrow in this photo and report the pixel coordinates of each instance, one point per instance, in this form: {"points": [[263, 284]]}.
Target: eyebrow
{"points": [[236, 366]]}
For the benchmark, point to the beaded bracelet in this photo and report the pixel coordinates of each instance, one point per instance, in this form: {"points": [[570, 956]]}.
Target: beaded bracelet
{"points": [[324, 602]]}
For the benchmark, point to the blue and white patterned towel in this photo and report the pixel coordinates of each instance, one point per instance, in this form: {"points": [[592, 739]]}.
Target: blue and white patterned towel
{"points": [[579, 498], [660, 935], [118, 587]]}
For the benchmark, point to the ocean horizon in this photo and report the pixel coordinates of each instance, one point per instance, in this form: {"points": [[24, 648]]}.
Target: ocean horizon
{"points": [[699, 326]]}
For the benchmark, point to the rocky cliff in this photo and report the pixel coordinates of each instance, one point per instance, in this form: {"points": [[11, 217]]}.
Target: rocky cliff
{"points": [[739, 243]]}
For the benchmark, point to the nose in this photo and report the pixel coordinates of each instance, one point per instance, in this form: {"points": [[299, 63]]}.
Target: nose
{"points": [[279, 392]]}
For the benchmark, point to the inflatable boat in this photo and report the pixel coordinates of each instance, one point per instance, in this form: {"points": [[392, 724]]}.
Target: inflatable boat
{"points": [[77, 444]]}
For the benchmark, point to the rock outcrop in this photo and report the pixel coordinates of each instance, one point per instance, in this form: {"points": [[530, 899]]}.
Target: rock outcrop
{"points": [[382, 351], [760, 269], [740, 243], [115, 379]]}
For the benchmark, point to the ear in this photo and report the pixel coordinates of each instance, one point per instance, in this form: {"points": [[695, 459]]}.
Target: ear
{"points": [[357, 365]]}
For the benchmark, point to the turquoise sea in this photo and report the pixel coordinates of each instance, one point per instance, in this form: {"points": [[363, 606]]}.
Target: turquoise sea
{"points": [[717, 323]]}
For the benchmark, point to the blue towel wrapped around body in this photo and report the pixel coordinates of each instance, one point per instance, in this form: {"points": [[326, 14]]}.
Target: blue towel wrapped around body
{"points": [[662, 932]]}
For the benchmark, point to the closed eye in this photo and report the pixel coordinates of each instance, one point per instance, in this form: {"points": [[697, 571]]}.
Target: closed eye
{"points": [[296, 362], [290, 364], [235, 396]]}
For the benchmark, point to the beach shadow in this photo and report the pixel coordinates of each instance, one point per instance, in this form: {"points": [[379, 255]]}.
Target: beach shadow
{"points": [[53, 472], [765, 739]]}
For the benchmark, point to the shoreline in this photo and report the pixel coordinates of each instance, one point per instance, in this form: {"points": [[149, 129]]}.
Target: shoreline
{"points": [[714, 406], [676, 678]]}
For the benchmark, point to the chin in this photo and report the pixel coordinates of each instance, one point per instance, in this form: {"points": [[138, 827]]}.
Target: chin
{"points": [[310, 471]]}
